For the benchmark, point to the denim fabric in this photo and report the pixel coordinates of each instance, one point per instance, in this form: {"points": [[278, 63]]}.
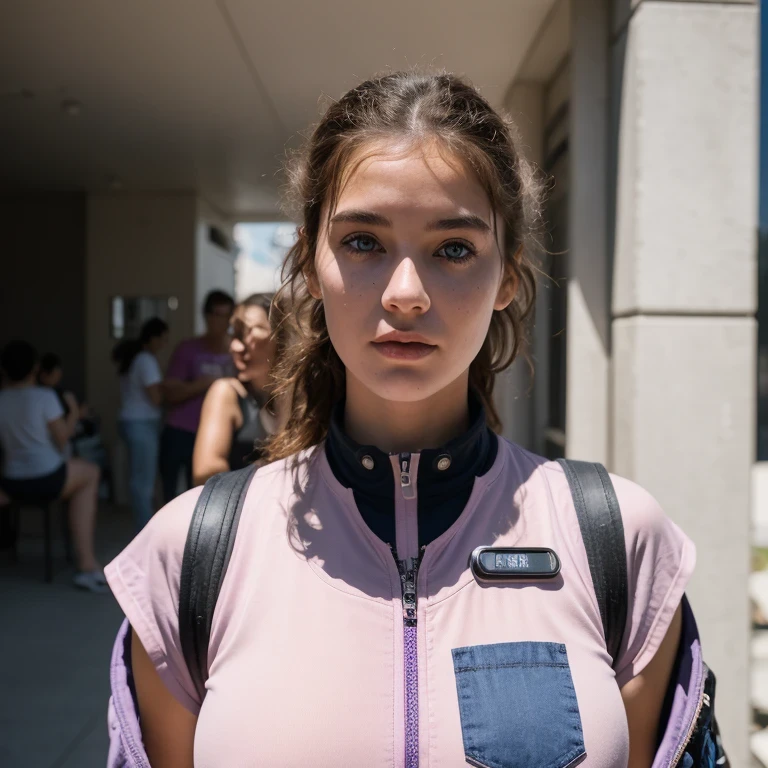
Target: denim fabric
{"points": [[176, 449], [142, 438], [518, 706]]}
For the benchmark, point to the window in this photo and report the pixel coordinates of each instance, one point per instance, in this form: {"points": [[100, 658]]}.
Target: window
{"points": [[261, 250], [129, 313]]}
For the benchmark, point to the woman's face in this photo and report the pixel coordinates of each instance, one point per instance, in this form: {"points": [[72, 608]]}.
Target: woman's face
{"points": [[52, 378], [158, 343], [410, 272], [252, 347]]}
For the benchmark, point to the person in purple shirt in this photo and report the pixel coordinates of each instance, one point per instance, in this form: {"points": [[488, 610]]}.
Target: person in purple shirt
{"points": [[195, 365]]}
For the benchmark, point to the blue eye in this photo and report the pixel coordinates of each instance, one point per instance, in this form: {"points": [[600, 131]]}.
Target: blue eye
{"points": [[456, 251], [362, 243]]}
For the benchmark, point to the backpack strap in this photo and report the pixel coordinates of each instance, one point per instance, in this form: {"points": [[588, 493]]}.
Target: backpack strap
{"points": [[207, 551], [602, 530]]}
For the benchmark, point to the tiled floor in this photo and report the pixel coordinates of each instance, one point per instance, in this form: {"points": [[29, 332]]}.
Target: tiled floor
{"points": [[55, 645]]}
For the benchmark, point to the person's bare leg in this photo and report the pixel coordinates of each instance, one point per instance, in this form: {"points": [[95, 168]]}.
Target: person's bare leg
{"points": [[81, 491]]}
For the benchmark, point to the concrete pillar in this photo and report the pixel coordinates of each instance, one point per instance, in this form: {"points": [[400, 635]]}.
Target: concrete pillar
{"points": [[588, 323], [685, 77]]}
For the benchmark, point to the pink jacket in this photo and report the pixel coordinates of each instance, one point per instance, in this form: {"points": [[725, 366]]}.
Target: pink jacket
{"points": [[326, 652]]}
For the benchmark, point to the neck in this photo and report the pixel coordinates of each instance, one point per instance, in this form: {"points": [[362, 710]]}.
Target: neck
{"points": [[256, 383], [28, 382], [396, 427]]}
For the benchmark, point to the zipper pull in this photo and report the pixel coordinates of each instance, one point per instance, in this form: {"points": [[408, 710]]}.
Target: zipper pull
{"points": [[406, 486]]}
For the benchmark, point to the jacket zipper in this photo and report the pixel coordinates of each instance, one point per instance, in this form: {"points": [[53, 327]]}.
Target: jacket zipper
{"points": [[408, 568]]}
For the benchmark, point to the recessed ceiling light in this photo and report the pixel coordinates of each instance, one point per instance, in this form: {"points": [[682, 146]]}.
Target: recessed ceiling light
{"points": [[71, 108]]}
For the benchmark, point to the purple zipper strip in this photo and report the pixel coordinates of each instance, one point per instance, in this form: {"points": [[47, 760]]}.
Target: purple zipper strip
{"points": [[411, 698]]}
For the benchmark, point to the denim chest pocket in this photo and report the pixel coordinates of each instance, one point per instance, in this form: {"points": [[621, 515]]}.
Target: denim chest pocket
{"points": [[518, 706]]}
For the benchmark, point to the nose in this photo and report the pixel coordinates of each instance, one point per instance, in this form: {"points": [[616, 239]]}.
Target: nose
{"points": [[405, 292]]}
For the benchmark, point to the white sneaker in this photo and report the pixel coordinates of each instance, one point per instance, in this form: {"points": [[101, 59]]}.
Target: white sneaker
{"points": [[89, 581]]}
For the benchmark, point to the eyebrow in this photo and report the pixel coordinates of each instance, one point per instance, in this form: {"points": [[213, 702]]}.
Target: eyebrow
{"points": [[361, 217], [468, 221]]}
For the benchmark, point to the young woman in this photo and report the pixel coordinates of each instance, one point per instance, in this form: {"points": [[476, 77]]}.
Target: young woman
{"points": [[34, 436], [140, 416], [350, 629], [239, 413], [50, 375]]}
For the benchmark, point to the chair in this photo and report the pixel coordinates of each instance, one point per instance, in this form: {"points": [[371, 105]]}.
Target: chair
{"points": [[11, 523]]}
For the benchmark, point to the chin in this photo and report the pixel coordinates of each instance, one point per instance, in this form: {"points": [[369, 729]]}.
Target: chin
{"points": [[404, 386]]}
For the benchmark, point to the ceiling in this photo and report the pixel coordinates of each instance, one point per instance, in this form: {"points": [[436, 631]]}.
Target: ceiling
{"points": [[206, 95]]}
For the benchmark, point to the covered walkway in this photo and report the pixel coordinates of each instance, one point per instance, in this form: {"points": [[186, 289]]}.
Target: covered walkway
{"points": [[55, 645]]}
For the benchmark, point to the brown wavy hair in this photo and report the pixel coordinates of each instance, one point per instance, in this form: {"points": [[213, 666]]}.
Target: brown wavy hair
{"points": [[417, 108]]}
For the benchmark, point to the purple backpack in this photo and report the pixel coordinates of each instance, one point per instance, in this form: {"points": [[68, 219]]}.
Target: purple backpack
{"points": [[688, 734]]}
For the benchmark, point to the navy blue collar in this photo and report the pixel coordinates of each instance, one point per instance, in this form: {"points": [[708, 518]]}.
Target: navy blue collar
{"points": [[443, 471]]}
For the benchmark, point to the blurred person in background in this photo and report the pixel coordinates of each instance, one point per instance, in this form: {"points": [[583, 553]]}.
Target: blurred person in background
{"points": [[195, 365], [51, 375], [34, 430], [239, 413], [140, 419]]}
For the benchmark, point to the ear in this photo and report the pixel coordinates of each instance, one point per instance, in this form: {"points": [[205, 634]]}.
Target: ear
{"points": [[509, 284], [313, 285]]}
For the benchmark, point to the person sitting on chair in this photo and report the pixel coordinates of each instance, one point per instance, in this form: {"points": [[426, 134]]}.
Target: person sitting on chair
{"points": [[33, 433]]}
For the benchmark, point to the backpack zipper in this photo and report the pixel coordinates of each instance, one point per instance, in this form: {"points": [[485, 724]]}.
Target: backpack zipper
{"points": [[703, 699]]}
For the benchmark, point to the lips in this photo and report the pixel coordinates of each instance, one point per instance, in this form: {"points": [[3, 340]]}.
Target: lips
{"points": [[403, 337], [402, 345]]}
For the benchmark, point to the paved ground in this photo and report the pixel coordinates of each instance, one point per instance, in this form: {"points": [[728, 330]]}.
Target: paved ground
{"points": [[55, 646]]}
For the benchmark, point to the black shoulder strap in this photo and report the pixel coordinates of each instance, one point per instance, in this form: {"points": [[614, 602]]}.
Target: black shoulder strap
{"points": [[603, 532], [210, 539]]}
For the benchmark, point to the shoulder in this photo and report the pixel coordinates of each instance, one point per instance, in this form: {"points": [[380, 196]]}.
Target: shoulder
{"points": [[642, 515], [222, 393], [293, 474], [44, 395], [150, 365], [159, 546], [227, 387], [145, 579], [660, 556]]}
